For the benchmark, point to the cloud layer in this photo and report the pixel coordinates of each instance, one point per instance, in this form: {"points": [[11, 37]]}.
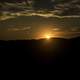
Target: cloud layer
{"points": [[61, 7]]}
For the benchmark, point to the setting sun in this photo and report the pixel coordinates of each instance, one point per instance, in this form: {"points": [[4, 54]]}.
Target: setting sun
{"points": [[47, 36]]}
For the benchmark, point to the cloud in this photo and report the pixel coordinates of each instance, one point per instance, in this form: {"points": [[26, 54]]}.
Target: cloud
{"points": [[42, 14], [5, 17], [68, 8], [56, 29], [75, 29], [19, 29]]}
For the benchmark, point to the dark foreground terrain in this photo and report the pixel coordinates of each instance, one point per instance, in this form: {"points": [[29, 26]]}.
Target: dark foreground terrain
{"points": [[54, 51]]}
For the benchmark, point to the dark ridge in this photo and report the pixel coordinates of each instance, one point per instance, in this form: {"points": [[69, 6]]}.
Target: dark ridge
{"points": [[54, 51]]}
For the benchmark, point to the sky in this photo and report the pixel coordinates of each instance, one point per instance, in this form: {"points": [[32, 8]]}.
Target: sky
{"points": [[20, 22]]}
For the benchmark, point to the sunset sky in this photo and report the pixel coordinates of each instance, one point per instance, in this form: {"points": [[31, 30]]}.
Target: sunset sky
{"points": [[18, 21]]}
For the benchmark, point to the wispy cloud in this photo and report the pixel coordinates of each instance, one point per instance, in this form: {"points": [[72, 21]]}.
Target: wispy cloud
{"points": [[19, 29], [68, 8], [46, 15], [5, 17], [56, 29]]}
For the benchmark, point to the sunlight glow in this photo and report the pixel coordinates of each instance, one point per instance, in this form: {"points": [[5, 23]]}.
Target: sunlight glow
{"points": [[48, 37], [47, 34]]}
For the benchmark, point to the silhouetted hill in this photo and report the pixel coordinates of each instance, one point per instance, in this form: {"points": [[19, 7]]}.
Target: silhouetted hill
{"points": [[53, 51]]}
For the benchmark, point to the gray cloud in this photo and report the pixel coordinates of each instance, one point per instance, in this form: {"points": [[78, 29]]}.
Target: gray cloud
{"points": [[8, 15], [19, 29], [68, 8]]}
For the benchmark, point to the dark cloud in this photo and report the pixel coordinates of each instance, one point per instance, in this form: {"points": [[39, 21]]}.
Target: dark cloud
{"points": [[61, 7], [68, 8]]}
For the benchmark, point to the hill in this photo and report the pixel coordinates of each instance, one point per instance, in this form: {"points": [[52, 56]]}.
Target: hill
{"points": [[54, 51]]}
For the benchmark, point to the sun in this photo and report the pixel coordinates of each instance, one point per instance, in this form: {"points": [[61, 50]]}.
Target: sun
{"points": [[47, 36]]}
